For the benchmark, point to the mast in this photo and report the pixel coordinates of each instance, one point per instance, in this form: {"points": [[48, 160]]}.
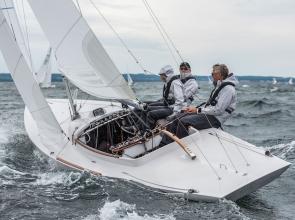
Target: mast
{"points": [[74, 113]]}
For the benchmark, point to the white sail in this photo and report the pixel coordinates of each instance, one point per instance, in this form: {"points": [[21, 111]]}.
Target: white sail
{"points": [[80, 56], [290, 82], [9, 11], [49, 129], [209, 80], [44, 74], [274, 81], [130, 81]]}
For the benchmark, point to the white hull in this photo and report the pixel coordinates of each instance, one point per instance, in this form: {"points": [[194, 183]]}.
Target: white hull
{"points": [[169, 168]]}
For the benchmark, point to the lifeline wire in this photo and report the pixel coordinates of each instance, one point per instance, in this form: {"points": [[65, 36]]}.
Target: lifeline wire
{"points": [[27, 36]]}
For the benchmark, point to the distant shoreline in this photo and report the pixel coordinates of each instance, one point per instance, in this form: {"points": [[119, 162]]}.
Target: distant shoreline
{"points": [[56, 77]]}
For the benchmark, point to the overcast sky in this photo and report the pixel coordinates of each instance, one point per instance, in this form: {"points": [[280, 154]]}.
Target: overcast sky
{"points": [[253, 37]]}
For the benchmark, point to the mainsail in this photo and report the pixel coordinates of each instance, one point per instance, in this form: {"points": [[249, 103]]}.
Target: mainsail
{"points": [[80, 56], [44, 74], [49, 129]]}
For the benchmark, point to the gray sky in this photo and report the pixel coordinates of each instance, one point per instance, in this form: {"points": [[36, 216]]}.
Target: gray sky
{"points": [[253, 37]]}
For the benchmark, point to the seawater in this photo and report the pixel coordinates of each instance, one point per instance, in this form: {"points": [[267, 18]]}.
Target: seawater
{"points": [[35, 187]]}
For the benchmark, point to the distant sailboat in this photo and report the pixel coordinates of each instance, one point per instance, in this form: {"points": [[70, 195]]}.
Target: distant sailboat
{"points": [[274, 81], [130, 81], [290, 82], [209, 80], [43, 76]]}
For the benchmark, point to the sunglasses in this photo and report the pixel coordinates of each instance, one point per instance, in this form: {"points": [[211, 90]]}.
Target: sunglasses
{"points": [[183, 68]]}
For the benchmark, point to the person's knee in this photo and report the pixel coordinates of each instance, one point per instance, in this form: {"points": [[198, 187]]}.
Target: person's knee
{"points": [[150, 114], [186, 120]]}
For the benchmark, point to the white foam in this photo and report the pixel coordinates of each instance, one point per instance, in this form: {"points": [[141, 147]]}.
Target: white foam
{"points": [[61, 177], [233, 209], [9, 174], [121, 210], [3, 136], [283, 149], [45, 179], [7, 170]]}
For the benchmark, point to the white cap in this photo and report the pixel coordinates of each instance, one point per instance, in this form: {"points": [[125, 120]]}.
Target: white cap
{"points": [[167, 70]]}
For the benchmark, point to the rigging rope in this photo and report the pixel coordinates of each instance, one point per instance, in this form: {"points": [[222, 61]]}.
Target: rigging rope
{"points": [[120, 39], [163, 32], [27, 36], [17, 11], [9, 18]]}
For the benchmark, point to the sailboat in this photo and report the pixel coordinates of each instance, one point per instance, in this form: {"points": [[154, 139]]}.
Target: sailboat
{"points": [[209, 81], [207, 165], [290, 82], [44, 74], [130, 81], [274, 81]]}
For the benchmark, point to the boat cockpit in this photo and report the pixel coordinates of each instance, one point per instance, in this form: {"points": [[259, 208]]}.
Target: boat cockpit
{"points": [[119, 134]]}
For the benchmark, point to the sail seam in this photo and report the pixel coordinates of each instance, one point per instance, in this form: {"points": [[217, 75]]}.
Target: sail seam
{"points": [[14, 69], [40, 109], [67, 33]]}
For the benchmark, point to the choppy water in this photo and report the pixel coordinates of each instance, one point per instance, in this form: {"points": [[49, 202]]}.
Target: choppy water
{"points": [[34, 187]]}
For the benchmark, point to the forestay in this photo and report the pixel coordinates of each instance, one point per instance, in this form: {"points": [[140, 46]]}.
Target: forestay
{"points": [[48, 127], [80, 56]]}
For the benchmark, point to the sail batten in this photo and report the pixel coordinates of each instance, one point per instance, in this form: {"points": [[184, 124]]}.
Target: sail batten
{"points": [[80, 56]]}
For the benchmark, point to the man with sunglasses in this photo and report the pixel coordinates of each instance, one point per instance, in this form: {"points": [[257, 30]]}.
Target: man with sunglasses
{"points": [[218, 108], [189, 82]]}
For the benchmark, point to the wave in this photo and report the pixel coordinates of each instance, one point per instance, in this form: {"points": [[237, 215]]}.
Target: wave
{"points": [[261, 114], [51, 178], [236, 125], [3, 136], [284, 151], [9, 176], [7, 170], [124, 211], [257, 103], [282, 89]]}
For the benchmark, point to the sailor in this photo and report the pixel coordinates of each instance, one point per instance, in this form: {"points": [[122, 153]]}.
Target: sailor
{"points": [[189, 82], [218, 108], [173, 97]]}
